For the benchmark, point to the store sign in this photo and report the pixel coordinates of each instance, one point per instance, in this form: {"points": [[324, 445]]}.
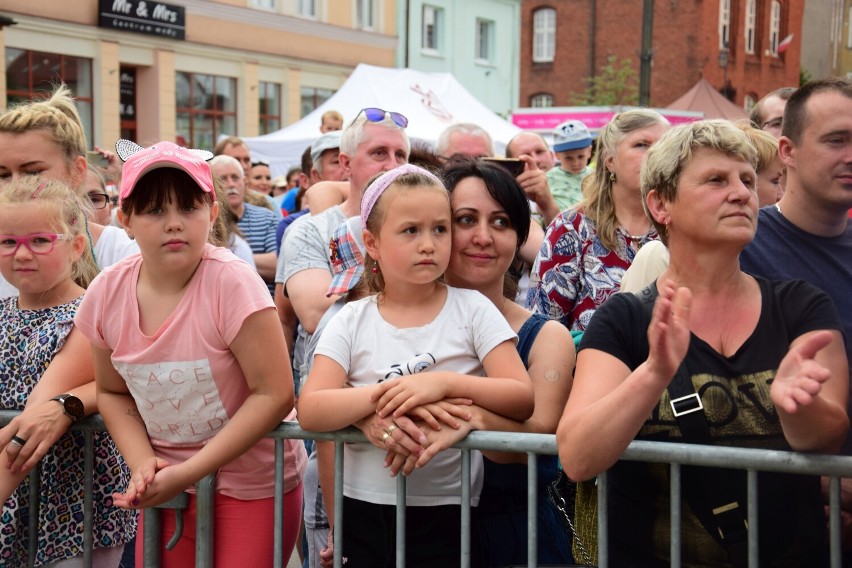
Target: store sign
{"points": [[144, 17]]}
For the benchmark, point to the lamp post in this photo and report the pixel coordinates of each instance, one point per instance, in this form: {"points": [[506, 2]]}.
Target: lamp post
{"points": [[723, 63]]}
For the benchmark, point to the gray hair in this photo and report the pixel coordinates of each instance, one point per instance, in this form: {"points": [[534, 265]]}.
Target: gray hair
{"points": [[467, 128], [354, 135], [223, 160]]}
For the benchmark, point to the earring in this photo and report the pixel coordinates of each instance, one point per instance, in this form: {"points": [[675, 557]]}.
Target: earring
{"points": [[612, 176], [375, 268], [666, 229]]}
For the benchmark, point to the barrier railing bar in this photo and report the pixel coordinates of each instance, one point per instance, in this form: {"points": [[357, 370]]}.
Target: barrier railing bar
{"points": [[338, 502], [204, 532], [675, 514], [151, 540], [400, 521], [278, 519], [603, 527], [464, 561], [35, 505], [532, 510], [834, 526], [88, 497], [753, 527]]}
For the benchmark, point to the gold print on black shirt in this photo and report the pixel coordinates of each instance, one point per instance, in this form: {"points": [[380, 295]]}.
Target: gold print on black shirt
{"points": [[738, 410]]}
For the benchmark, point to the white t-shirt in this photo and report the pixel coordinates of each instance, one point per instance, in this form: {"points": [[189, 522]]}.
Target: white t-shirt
{"points": [[114, 245], [371, 350], [240, 247]]}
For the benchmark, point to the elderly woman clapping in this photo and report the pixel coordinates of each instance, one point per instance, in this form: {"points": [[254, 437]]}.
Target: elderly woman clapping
{"points": [[764, 359]]}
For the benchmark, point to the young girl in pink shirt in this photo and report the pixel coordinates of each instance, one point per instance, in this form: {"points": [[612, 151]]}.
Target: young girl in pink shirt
{"points": [[191, 363]]}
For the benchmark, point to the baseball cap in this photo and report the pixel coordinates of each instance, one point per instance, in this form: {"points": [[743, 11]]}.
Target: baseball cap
{"points": [[138, 161], [571, 135], [328, 141], [346, 249]]}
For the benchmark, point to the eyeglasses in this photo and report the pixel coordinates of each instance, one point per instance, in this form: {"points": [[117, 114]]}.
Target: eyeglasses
{"points": [[99, 200], [378, 115], [37, 243]]}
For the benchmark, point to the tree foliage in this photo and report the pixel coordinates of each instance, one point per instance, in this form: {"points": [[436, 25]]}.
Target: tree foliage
{"points": [[617, 83]]}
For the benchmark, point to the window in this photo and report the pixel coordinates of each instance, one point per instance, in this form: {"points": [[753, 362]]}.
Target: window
{"points": [[774, 28], [750, 17], [724, 24], [32, 75], [748, 102], [307, 8], [541, 100], [544, 35], [263, 4], [206, 108], [432, 25], [484, 40], [313, 97], [365, 14], [849, 31], [270, 107]]}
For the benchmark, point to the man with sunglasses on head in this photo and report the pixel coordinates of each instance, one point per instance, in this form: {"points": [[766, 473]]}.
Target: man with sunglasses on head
{"points": [[374, 142]]}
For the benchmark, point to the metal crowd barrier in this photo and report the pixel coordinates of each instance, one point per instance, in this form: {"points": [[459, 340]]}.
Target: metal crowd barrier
{"points": [[676, 455]]}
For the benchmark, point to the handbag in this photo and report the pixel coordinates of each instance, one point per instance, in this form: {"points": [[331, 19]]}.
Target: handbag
{"points": [[562, 492]]}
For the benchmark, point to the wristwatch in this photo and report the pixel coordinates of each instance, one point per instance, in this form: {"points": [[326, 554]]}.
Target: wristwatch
{"points": [[71, 405]]}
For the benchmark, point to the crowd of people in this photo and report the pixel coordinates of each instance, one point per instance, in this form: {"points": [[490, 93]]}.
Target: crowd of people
{"points": [[648, 282]]}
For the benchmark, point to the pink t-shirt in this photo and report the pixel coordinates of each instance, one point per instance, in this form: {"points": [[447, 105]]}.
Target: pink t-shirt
{"points": [[185, 380]]}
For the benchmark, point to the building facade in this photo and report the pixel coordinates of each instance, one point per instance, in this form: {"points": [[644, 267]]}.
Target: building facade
{"points": [[734, 44], [190, 70], [475, 40]]}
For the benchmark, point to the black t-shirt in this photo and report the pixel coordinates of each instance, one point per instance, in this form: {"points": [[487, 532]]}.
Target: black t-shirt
{"points": [[735, 393]]}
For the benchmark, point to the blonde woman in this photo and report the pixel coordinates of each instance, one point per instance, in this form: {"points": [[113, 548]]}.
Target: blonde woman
{"points": [[587, 249]]}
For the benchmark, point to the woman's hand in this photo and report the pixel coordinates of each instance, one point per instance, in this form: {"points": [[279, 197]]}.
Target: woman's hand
{"points": [[437, 440], [41, 426], [800, 377], [403, 435], [668, 332], [399, 396]]}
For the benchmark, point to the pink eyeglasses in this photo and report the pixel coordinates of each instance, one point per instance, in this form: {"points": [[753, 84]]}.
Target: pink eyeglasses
{"points": [[37, 243]]}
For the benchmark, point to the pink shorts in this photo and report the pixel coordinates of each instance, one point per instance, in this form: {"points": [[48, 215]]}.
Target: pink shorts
{"points": [[243, 532]]}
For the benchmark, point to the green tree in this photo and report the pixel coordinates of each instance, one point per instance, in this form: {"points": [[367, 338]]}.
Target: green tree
{"points": [[616, 84]]}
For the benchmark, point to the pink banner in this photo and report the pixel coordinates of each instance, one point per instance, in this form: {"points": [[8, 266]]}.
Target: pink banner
{"points": [[594, 120]]}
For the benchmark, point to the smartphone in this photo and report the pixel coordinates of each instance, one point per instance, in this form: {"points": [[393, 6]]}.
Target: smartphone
{"points": [[97, 159], [513, 165]]}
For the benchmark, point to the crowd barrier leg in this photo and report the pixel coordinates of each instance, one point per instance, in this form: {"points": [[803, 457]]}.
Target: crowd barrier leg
{"points": [[204, 514], [88, 497], [532, 510], [35, 505], [278, 542]]}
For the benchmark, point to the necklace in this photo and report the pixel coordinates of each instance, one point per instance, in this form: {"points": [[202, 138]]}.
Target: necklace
{"points": [[778, 207]]}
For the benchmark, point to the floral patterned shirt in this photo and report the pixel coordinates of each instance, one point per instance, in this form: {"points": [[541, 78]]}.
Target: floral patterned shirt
{"points": [[575, 272], [29, 339]]}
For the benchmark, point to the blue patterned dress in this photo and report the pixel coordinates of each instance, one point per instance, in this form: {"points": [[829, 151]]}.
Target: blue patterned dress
{"points": [[29, 339]]}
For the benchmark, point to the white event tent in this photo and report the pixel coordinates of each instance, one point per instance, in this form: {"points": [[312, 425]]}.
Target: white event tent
{"points": [[430, 101]]}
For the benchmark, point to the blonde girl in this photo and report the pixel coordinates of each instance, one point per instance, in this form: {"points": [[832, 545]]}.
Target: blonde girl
{"points": [[414, 344], [191, 363], [46, 372]]}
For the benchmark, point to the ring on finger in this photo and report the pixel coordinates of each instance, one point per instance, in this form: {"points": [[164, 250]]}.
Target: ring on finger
{"points": [[391, 428], [18, 441], [385, 437]]}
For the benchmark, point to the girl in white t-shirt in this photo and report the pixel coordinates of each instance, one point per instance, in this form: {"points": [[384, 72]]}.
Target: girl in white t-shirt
{"points": [[417, 348], [191, 364]]}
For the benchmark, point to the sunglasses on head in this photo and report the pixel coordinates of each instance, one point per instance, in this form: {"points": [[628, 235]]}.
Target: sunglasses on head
{"points": [[378, 115]]}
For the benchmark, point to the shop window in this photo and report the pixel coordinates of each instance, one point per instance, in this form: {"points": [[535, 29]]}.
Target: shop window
{"points": [[312, 97], [32, 75], [270, 107], [206, 108]]}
